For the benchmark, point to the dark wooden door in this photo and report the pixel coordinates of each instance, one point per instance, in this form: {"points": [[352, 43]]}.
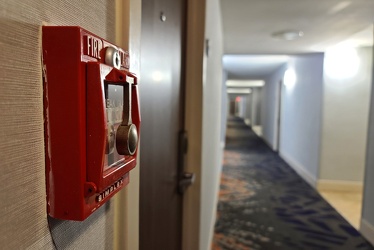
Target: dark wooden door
{"points": [[161, 94]]}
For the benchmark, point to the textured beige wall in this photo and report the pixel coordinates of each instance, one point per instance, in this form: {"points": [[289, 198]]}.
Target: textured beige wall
{"points": [[22, 190]]}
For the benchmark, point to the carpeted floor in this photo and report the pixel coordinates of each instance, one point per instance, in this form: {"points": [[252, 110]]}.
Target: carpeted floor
{"points": [[264, 204]]}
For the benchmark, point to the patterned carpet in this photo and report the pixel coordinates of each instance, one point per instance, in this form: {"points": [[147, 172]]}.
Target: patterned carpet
{"points": [[264, 204]]}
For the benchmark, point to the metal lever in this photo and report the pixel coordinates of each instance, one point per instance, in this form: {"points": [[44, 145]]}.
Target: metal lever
{"points": [[187, 179], [127, 135]]}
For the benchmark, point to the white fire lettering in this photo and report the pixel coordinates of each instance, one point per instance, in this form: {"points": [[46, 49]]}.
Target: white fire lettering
{"points": [[94, 46]]}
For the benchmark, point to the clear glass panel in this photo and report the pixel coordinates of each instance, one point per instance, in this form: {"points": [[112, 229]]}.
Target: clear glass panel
{"points": [[114, 111]]}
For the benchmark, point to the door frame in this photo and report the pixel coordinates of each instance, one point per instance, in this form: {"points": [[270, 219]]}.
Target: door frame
{"points": [[194, 75], [279, 116], [128, 30], [126, 202]]}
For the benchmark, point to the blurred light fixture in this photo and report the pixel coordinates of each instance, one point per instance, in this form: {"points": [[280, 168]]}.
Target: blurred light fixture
{"points": [[289, 78], [341, 62], [339, 7], [238, 91], [288, 35], [157, 76], [245, 83]]}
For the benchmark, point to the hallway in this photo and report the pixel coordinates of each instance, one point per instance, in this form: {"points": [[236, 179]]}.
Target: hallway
{"points": [[264, 204]]}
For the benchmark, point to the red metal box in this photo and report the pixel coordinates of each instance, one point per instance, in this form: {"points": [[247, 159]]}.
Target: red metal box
{"points": [[92, 120]]}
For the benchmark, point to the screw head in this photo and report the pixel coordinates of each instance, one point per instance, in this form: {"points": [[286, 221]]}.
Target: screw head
{"points": [[162, 17]]}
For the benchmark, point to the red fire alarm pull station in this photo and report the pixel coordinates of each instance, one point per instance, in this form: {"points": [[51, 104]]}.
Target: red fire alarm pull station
{"points": [[92, 120]]}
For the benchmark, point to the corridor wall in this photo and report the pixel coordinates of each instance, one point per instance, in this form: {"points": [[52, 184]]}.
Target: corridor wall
{"points": [[211, 144], [367, 219], [248, 113], [345, 122], [300, 123], [242, 106], [300, 127], [224, 108], [255, 106], [269, 111]]}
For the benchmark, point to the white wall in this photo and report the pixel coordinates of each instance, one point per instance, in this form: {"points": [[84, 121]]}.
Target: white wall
{"points": [[256, 106], [212, 152], [301, 116], [345, 121], [367, 220], [242, 105], [269, 110], [224, 108], [248, 114]]}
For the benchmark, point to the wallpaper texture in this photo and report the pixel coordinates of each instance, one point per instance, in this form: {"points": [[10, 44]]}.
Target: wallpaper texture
{"points": [[24, 223]]}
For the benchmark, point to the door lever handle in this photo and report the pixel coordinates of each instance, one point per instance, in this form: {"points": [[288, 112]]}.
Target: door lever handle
{"points": [[186, 180]]}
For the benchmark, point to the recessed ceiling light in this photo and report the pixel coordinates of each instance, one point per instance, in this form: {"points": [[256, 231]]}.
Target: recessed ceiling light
{"points": [[288, 34], [245, 83], [239, 91], [338, 7]]}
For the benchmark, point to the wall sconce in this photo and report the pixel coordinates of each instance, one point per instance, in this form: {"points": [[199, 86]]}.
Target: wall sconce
{"points": [[289, 78], [341, 62]]}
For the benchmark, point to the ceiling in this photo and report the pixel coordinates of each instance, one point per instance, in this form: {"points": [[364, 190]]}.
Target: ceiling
{"points": [[248, 24], [252, 66], [252, 53]]}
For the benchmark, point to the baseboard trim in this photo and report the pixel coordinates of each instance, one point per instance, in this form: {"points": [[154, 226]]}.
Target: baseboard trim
{"points": [[268, 143], [257, 130], [299, 168], [367, 231], [340, 186]]}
